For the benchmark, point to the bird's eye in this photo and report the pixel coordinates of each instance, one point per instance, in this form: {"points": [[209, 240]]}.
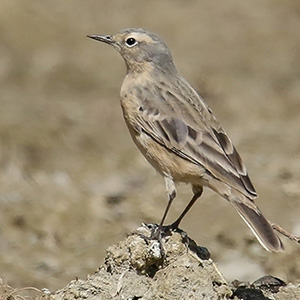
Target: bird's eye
{"points": [[130, 42]]}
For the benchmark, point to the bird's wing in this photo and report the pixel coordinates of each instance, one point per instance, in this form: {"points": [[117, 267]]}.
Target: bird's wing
{"points": [[190, 130]]}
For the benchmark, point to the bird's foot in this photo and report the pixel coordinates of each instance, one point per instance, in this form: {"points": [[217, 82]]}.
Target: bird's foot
{"points": [[157, 232]]}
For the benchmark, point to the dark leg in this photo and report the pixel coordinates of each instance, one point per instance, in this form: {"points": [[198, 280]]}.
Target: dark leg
{"points": [[171, 197], [197, 193], [171, 191]]}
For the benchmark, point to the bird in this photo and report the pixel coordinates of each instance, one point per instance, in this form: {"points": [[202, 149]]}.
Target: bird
{"points": [[178, 133]]}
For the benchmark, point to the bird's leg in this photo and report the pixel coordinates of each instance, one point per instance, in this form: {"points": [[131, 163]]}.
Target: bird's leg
{"points": [[171, 191], [197, 189]]}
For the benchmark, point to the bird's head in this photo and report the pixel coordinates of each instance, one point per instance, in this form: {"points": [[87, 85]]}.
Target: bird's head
{"points": [[140, 49]]}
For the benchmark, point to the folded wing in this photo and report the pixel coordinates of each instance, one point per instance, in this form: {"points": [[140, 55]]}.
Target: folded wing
{"points": [[191, 131]]}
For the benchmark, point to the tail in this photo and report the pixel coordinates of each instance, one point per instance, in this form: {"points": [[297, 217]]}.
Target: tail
{"points": [[259, 225], [250, 213]]}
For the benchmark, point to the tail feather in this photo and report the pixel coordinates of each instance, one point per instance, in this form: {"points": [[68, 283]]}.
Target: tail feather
{"points": [[250, 213], [260, 226]]}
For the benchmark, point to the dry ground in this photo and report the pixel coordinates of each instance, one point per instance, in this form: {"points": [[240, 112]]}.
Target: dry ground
{"points": [[72, 182]]}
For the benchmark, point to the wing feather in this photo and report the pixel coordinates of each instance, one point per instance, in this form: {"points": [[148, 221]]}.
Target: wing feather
{"points": [[182, 122]]}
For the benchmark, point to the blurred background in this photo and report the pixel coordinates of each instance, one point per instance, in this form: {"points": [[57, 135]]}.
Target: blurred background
{"points": [[72, 182]]}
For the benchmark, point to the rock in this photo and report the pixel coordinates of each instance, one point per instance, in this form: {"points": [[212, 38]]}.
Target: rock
{"points": [[174, 268], [143, 268]]}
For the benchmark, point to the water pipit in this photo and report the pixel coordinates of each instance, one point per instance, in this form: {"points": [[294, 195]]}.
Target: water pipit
{"points": [[178, 133]]}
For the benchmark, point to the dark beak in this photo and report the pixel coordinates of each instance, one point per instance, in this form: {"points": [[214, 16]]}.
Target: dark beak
{"points": [[102, 38]]}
